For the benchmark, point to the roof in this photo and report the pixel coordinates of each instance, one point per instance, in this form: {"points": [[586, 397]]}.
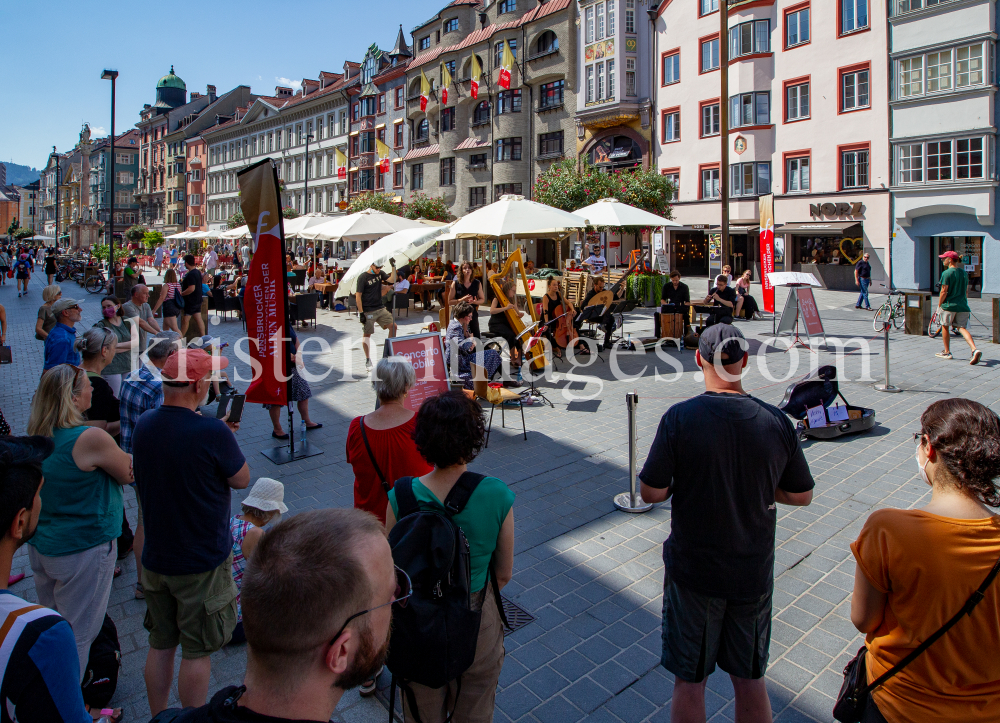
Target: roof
{"points": [[401, 50], [170, 80], [422, 152], [471, 143]]}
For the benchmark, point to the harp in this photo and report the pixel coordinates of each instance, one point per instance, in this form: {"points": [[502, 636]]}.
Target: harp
{"points": [[513, 270]]}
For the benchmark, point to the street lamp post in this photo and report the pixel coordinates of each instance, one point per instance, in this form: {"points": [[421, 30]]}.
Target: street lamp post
{"points": [[309, 137], [109, 183], [57, 196]]}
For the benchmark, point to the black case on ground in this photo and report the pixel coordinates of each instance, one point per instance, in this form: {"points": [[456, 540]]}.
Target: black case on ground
{"points": [[822, 388]]}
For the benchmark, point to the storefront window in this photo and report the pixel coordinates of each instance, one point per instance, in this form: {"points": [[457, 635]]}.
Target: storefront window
{"points": [[970, 248], [689, 254], [829, 249]]}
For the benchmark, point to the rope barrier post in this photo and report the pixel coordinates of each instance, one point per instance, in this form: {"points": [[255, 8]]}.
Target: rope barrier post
{"points": [[631, 501], [886, 386]]}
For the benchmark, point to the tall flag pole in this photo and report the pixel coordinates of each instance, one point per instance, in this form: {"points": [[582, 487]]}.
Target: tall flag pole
{"points": [[506, 65], [425, 91], [445, 82], [477, 71], [341, 163], [767, 249], [382, 152]]}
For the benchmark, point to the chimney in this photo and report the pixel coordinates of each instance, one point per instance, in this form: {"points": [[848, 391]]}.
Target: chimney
{"points": [[195, 96], [282, 92], [211, 93]]}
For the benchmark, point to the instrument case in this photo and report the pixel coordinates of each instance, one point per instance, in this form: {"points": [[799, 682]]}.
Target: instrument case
{"points": [[822, 388]]}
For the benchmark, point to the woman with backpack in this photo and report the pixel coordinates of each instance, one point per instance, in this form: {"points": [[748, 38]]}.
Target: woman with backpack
{"points": [[171, 300], [917, 568], [4, 266], [449, 434], [22, 270]]}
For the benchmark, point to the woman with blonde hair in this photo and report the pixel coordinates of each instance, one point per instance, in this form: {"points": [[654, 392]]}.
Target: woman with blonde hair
{"points": [[73, 551], [171, 301], [46, 319]]}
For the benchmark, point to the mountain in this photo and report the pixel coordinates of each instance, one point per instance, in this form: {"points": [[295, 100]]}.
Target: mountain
{"points": [[18, 175]]}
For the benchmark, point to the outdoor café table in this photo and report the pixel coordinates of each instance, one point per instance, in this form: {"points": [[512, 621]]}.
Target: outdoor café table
{"points": [[325, 289], [426, 291]]}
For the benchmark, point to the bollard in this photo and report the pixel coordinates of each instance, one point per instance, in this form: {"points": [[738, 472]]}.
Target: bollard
{"points": [[996, 320], [886, 386], [631, 501]]}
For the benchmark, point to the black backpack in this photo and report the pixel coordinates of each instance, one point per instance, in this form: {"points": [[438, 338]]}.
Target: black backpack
{"points": [[100, 679]]}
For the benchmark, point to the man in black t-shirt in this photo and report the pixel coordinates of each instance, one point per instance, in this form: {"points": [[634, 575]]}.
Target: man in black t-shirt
{"points": [[863, 279], [674, 293], [370, 289], [724, 297], [726, 459], [192, 293]]}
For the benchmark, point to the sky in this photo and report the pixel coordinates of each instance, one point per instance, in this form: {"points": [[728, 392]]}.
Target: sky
{"points": [[51, 83]]}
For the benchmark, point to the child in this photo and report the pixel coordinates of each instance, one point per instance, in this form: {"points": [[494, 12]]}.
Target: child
{"points": [[263, 504]]}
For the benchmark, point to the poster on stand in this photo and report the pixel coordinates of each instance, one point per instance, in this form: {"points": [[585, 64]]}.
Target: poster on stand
{"points": [[767, 249], [426, 353]]}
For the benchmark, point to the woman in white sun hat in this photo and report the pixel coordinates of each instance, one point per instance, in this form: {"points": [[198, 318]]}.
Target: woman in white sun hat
{"points": [[264, 503]]}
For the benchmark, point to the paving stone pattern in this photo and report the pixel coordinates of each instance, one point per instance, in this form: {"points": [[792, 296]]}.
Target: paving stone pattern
{"points": [[591, 575]]}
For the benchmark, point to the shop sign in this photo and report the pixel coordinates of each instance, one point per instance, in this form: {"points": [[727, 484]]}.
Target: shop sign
{"points": [[852, 208], [630, 44]]}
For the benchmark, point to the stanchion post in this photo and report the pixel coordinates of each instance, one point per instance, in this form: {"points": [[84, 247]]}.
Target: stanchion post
{"points": [[886, 386], [631, 501], [996, 320]]}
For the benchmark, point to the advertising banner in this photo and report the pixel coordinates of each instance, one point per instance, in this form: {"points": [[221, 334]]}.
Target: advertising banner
{"points": [[767, 249], [265, 298]]}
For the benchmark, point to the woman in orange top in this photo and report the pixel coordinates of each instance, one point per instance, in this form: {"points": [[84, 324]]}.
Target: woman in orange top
{"points": [[917, 568]]}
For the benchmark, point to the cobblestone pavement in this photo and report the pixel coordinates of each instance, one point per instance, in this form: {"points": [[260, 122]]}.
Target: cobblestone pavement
{"points": [[590, 575]]}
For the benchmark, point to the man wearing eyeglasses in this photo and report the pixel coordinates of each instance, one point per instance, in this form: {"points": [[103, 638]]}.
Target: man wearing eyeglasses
{"points": [[60, 343], [317, 602]]}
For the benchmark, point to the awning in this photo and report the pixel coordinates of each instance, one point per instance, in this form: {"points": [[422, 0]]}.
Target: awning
{"points": [[422, 152], [818, 227]]}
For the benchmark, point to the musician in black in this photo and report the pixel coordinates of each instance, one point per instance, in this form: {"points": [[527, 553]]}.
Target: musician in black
{"points": [[675, 293], [607, 321], [724, 297], [468, 289]]}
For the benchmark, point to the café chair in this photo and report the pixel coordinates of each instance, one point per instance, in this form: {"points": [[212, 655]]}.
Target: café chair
{"points": [[305, 307], [401, 301], [495, 397]]}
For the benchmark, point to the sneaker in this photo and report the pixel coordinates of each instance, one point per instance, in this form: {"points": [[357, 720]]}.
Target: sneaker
{"points": [[944, 355], [140, 594], [19, 294], [368, 365], [976, 356], [858, 306]]}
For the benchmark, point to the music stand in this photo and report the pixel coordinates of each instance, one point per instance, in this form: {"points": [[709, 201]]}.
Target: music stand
{"points": [[619, 309], [592, 315]]}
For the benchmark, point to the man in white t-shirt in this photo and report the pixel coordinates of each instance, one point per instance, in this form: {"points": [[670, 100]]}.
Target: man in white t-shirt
{"points": [[211, 260], [158, 259], [596, 261]]}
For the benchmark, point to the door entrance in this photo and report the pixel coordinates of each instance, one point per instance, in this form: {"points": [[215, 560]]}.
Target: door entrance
{"points": [[970, 248]]}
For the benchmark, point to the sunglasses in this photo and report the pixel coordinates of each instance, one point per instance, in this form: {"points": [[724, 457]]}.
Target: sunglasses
{"points": [[77, 372], [918, 438], [404, 588]]}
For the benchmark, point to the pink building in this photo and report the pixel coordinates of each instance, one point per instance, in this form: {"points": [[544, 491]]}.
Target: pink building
{"points": [[808, 112], [196, 152]]}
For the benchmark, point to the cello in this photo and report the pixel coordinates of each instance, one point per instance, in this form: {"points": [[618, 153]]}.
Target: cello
{"points": [[513, 268]]}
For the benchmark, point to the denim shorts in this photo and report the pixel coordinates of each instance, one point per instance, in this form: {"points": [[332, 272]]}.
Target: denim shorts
{"points": [[700, 631]]}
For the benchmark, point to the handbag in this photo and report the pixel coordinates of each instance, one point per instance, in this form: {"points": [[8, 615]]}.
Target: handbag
{"points": [[6, 355], [854, 692], [378, 470]]}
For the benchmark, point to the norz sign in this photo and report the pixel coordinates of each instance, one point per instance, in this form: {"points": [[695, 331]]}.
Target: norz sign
{"points": [[816, 210]]}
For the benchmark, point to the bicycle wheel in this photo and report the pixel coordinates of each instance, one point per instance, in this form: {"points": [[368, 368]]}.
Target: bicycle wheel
{"points": [[933, 327], [898, 318], [95, 284], [882, 316]]}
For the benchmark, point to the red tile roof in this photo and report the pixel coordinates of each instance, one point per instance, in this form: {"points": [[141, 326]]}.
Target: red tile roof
{"points": [[472, 142], [422, 152]]}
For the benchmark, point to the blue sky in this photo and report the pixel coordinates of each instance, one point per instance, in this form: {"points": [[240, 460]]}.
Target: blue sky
{"points": [[51, 81]]}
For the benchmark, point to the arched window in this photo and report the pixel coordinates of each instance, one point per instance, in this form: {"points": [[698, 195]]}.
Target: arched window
{"points": [[415, 88], [423, 128], [548, 43], [482, 113]]}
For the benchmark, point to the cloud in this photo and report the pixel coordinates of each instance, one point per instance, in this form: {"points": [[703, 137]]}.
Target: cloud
{"points": [[98, 131], [295, 85]]}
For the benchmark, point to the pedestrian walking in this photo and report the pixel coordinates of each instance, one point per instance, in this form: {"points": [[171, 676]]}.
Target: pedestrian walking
{"points": [[50, 266], [158, 259], [953, 306], [719, 558], [191, 292], [902, 598], [5, 264], [46, 319], [22, 272]]}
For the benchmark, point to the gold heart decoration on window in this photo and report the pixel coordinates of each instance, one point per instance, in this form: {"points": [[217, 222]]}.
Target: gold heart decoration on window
{"points": [[853, 246]]}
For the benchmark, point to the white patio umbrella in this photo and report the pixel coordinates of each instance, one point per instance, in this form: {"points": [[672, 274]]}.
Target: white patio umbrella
{"points": [[180, 235], [238, 232], [612, 212], [514, 217], [403, 246], [366, 225], [294, 226]]}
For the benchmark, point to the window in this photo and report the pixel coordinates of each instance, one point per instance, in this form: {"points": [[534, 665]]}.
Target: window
{"points": [[672, 67], [125, 177], [797, 174], [447, 171], [589, 22], [399, 97], [797, 27], [710, 183], [630, 16], [674, 177], [671, 126], [750, 38], [709, 54], [499, 51], [969, 65], [710, 120], [356, 111], [550, 143], [509, 101], [123, 158], [611, 18], [590, 84], [397, 135], [504, 189], [424, 43], [551, 94], [939, 161], [367, 146], [854, 168], [194, 199], [450, 65], [797, 101], [397, 175], [508, 149], [481, 114], [750, 179], [451, 25], [630, 77], [477, 196], [854, 90], [381, 103], [599, 74], [911, 77], [448, 119], [611, 79], [423, 130], [750, 109], [936, 72], [507, 6], [853, 15], [969, 158], [910, 163], [366, 179], [417, 176], [548, 43], [939, 71], [477, 160], [709, 6], [599, 16]]}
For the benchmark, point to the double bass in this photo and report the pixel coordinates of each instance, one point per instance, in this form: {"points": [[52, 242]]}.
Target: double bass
{"points": [[513, 268]]}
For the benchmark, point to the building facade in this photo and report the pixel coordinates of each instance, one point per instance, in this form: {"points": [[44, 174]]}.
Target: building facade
{"points": [[808, 107], [30, 213], [471, 151], [125, 181], [196, 159], [943, 133]]}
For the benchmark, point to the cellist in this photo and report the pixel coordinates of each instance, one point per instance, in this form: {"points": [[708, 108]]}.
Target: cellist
{"points": [[559, 329]]}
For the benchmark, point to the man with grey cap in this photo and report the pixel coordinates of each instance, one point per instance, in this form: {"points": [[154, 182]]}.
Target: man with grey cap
{"points": [[59, 344], [726, 459]]}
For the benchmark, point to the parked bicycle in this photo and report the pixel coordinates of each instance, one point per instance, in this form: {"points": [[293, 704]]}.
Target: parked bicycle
{"points": [[97, 283], [891, 313]]}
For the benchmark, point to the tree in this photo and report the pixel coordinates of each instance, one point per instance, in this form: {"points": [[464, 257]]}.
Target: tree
{"points": [[567, 187], [428, 207], [151, 239], [289, 212], [379, 201], [12, 229], [236, 220], [136, 232], [23, 233]]}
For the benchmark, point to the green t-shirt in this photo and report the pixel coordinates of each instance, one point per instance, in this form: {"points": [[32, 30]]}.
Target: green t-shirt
{"points": [[481, 520], [957, 282]]}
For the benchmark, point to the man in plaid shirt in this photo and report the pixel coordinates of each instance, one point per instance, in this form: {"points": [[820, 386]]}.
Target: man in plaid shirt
{"points": [[141, 391]]}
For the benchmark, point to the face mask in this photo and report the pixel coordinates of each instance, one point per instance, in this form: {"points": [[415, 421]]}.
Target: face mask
{"points": [[110, 311], [922, 467]]}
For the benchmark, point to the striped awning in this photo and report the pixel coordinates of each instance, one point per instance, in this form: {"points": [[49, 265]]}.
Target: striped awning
{"points": [[422, 152]]}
